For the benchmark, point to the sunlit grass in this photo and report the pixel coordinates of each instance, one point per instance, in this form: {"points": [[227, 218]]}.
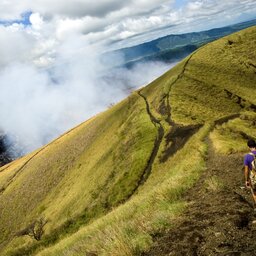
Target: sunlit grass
{"points": [[214, 184], [200, 94], [232, 136], [82, 175], [128, 229], [83, 182]]}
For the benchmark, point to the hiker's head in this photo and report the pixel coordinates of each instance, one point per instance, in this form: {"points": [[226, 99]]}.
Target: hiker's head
{"points": [[251, 143]]}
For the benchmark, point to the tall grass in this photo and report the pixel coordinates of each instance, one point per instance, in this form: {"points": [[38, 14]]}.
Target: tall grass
{"points": [[232, 136], [80, 176], [128, 229], [213, 71], [82, 180]]}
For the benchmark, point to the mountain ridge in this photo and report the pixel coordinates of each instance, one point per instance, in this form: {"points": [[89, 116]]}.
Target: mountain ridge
{"points": [[113, 182], [175, 46]]}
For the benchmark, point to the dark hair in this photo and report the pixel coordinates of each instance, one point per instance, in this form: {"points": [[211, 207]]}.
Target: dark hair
{"points": [[251, 143]]}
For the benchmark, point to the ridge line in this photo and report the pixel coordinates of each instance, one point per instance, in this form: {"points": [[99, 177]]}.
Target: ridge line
{"points": [[167, 96], [158, 140], [11, 179]]}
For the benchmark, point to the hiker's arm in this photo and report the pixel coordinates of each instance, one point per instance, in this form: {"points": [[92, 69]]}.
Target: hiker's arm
{"points": [[246, 176]]}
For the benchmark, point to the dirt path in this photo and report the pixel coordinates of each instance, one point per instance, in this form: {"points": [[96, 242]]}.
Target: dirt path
{"points": [[219, 218], [158, 140]]}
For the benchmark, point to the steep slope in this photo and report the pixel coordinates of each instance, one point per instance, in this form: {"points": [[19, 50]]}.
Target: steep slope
{"points": [[86, 170], [120, 176], [172, 47], [219, 219]]}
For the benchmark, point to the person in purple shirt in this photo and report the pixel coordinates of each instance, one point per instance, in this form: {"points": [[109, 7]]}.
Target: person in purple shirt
{"points": [[249, 170]]}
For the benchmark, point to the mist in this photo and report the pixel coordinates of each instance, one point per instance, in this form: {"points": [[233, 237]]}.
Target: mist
{"points": [[40, 103]]}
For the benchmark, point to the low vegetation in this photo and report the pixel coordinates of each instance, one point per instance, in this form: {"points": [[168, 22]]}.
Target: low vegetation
{"points": [[232, 136], [128, 229], [35, 230], [214, 184], [109, 185]]}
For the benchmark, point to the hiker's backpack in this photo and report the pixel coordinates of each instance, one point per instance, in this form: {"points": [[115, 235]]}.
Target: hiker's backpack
{"points": [[253, 162]]}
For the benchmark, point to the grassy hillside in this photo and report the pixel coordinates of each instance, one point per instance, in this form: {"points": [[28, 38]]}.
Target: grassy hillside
{"points": [[172, 47], [107, 186]]}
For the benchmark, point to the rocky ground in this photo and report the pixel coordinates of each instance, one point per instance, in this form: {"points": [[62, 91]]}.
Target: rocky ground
{"points": [[219, 219]]}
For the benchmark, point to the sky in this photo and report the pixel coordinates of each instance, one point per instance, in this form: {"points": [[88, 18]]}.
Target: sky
{"points": [[126, 22], [51, 76]]}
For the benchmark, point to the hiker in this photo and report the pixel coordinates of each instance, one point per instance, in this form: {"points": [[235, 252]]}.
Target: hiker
{"points": [[249, 169]]}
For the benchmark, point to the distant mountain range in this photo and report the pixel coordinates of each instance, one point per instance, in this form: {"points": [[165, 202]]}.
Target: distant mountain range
{"points": [[175, 47]]}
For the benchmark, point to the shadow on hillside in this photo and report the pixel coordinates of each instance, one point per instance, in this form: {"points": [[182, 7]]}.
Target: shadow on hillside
{"points": [[177, 138]]}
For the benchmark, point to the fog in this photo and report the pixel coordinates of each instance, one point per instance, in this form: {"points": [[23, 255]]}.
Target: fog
{"points": [[39, 104]]}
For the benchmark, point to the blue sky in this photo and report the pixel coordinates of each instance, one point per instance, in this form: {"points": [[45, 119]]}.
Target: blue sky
{"points": [[180, 3], [23, 19]]}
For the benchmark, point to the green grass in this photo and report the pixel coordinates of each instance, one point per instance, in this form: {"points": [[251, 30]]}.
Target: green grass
{"points": [[84, 181], [83, 174], [128, 229], [232, 136], [218, 67], [214, 184]]}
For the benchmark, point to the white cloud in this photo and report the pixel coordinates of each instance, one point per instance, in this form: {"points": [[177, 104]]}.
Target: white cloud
{"points": [[77, 8], [51, 70], [36, 21], [110, 20], [15, 44], [11, 9], [40, 104]]}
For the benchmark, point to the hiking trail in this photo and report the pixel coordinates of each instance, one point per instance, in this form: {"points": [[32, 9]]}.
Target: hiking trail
{"points": [[158, 140], [219, 219]]}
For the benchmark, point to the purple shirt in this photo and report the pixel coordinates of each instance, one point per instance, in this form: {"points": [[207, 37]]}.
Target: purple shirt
{"points": [[248, 160]]}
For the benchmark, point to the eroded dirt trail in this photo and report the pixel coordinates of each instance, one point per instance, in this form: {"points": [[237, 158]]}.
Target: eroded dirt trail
{"points": [[219, 219]]}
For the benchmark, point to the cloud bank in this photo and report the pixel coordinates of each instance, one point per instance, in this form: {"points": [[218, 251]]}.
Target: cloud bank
{"points": [[38, 104], [51, 76], [108, 21]]}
